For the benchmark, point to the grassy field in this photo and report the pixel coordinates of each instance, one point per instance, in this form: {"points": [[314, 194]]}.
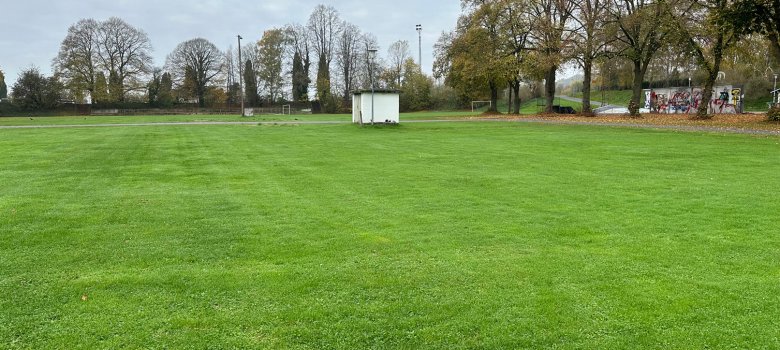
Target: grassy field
{"points": [[536, 106], [612, 97], [81, 120], [421, 236]]}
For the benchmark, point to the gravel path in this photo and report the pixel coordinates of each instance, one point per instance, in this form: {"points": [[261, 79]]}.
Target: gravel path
{"points": [[474, 120]]}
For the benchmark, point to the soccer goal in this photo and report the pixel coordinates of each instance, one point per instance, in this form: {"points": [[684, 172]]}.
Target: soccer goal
{"points": [[287, 109], [477, 105]]}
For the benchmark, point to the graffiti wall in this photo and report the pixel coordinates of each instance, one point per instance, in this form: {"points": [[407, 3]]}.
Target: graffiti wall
{"points": [[726, 99]]}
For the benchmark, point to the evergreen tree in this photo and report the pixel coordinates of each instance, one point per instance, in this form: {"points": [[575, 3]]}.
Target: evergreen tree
{"points": [[153, 90], [3, 87], [115, 89], [100, 95], [300, 79], [33, 91], [165, 94]]}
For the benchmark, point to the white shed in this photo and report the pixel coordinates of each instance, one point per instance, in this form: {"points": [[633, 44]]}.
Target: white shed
{"points": [[385, 103]]}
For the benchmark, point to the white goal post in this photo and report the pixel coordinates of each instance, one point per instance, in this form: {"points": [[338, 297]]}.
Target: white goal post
{"points": [[475, 103], [286, 107]]}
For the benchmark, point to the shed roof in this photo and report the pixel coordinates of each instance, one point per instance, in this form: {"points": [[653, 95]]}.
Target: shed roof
{"points": [[376, 91]]}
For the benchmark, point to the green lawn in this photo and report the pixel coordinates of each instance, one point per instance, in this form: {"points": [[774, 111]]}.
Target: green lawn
{"points": [[81, 120], [536, 106], [432, 235], [612, 97]]}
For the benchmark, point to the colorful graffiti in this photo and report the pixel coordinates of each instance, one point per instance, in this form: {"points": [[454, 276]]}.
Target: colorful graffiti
{"points": [[725, 100]]}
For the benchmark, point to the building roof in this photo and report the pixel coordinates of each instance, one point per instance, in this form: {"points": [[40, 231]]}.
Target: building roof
{"points": [[376, 91]]}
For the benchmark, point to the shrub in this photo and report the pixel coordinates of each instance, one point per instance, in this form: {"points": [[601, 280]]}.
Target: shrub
{"points": [[773, 115]]}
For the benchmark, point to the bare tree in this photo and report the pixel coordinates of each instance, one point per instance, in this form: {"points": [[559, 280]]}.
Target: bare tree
{"points": [[75, 62], [348, 56], [397, 54], [324, 27], [125, 52], [368, 41], [201, 59]]}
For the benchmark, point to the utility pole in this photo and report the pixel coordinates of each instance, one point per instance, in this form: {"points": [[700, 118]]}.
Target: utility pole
{"points": [[240, 74], [419, 44]]}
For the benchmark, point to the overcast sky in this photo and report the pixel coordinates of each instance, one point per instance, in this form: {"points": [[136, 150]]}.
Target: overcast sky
{"points": [[33, 29]]}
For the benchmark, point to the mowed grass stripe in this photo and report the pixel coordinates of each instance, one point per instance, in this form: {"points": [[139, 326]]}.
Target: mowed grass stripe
{"points": [[436, 235]]}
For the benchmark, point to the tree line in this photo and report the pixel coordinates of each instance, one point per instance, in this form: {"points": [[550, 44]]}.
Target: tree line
{"points": [[501, 44], [110, 63]]}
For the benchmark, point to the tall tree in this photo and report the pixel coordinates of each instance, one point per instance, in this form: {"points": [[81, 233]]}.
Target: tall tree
{"points": [[100, 94], [165, 94], [299, 47], [125, 52], [201, 59], [416, 88], [766, 14], [592, 39], [269, 70], [115, 87], [324, 26], [250, 84], [713, 28], [33, 91], [474, 57], [642, 29], [552, 39], [397, 54], [3, 86], [112, 46], [348, 56], [153, 88], [77, 58], [516, 26]]}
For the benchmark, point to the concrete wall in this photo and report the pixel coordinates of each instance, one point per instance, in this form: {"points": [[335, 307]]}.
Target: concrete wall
{"points": [[726, 99]]}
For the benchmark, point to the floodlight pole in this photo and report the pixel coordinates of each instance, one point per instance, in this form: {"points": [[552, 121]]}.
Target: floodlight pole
{"points": [[371, 53], [419, 44], [240, 74]]}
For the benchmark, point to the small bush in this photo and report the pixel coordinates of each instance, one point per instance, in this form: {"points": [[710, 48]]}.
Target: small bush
{"points": [[773, 115]]}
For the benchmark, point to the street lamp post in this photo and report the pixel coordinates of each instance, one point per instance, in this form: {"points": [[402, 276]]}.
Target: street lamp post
{"points": [[690, 89], [240, 74], [419, 44], [371, 53]]}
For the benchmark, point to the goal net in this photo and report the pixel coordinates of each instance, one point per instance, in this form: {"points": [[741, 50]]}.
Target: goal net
{"points": [[479, 106]]}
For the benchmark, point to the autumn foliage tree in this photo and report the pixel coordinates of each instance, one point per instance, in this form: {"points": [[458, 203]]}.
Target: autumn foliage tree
{"points": [[712, 29]]}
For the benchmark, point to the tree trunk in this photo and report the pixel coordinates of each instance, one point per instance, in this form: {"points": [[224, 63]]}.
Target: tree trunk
{"points": [[493, 98], [509, 99], [706, 95], [549, 89], [636, 91], [587, 68], [516, 88]]}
